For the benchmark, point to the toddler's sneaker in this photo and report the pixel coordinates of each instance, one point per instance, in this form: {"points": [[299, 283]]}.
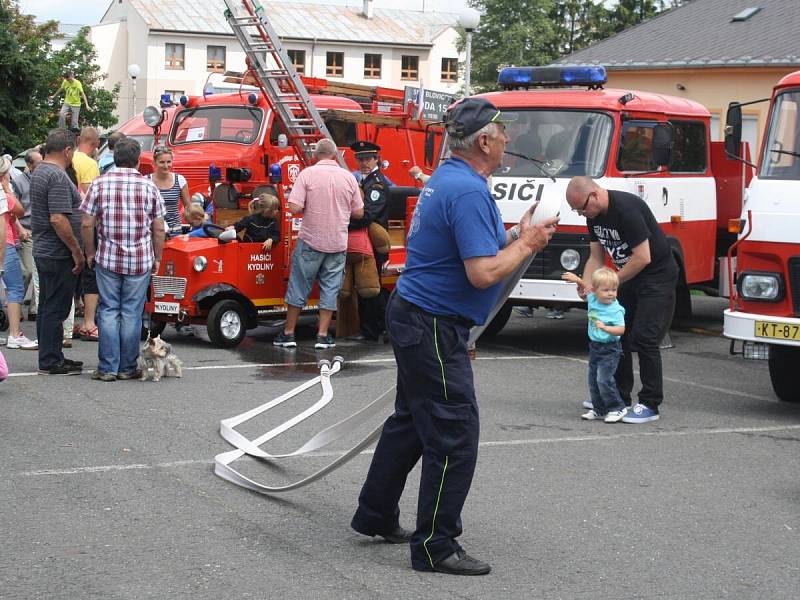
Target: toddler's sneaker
{"points": [[588, 404], [591, 416], [21, 342], [640, 414], [285, 340], [325, 341], [615, 416]]}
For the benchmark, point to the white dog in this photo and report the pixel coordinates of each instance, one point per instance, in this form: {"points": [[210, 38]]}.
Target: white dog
{"points": [[157, 359]]}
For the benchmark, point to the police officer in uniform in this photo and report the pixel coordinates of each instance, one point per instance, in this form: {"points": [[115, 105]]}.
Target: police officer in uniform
{"points": [[458, 254], [376, 210]]}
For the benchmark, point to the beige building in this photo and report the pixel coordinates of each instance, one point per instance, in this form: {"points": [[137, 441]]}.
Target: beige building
{"points": [[184, 47], [711, 51]]}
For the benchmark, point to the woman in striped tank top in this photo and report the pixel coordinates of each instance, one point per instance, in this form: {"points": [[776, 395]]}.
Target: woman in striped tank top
{"points": [[172, 186]]}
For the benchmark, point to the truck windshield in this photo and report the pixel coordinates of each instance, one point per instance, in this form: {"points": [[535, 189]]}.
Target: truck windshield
{"points": [[562, 143], [781, 159], [234, 124]]}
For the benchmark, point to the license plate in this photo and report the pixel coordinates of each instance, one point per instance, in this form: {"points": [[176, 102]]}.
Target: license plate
{"points": [[169, 308], [777, 331]]}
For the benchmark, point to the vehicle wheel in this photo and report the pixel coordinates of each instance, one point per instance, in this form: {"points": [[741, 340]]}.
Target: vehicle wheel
{"points": [[227, 324], [156, 328], [500, 319], [783, 364]]}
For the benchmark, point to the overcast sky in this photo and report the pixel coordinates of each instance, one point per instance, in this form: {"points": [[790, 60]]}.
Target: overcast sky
{"points": [[89, 12]]}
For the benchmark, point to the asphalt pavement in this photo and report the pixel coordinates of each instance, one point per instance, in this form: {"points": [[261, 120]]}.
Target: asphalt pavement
{"points": [[107, 490]]}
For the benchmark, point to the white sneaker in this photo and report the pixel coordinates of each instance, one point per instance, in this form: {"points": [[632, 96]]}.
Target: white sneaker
{"points": [[591, 416], [615, 416], [21, 342]]}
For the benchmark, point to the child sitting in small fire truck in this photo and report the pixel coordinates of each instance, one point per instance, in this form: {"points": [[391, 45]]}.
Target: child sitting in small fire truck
{"points": [[261, 225]]}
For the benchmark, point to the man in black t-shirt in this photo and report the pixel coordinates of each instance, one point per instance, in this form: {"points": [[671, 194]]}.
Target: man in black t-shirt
{"points": [[622, 225]]}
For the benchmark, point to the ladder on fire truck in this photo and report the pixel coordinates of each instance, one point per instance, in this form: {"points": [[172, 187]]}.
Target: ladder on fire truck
{"points": [[277, 78]]}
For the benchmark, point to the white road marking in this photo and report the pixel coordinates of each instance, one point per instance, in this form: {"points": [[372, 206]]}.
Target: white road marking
{"points": [[487, 444]]}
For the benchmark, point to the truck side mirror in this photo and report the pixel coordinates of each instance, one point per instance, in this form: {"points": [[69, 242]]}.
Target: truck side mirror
{"points": [[733, 130], [663, 140]]}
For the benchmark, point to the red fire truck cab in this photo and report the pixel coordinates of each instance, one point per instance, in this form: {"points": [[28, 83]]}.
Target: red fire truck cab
{"points": [[652, 145], [764, 312]]}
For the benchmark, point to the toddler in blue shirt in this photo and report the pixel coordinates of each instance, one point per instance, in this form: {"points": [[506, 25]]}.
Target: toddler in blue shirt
{"points": [[606, 325]]}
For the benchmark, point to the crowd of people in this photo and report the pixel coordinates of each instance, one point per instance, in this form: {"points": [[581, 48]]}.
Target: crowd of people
{"points": [[75, 226]]}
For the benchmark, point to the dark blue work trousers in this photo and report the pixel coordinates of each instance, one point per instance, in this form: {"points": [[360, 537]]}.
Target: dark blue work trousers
{"points": [[436, 418]]}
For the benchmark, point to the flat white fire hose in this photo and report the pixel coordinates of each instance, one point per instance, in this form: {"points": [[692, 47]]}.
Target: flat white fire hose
{"points": [[245, 446], [341, 429]]}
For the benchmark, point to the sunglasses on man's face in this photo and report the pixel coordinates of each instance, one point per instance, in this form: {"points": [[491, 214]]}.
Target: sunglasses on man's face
{"points": [[582, 209]]}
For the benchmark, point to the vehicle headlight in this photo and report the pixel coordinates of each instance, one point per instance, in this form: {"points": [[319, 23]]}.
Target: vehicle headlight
{"points": [[761, 286], [570, 259], [200, 263]]}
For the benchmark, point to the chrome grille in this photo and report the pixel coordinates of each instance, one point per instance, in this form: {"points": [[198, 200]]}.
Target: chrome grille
{"points": [[169, 285]]}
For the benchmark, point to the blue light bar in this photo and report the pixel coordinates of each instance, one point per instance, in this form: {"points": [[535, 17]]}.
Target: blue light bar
{"points": [[572, 75], [166, 100], [252, 98], [184, 100]]}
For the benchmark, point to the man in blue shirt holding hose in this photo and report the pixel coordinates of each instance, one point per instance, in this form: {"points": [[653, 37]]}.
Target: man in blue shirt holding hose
{"points": [[458, 254]]}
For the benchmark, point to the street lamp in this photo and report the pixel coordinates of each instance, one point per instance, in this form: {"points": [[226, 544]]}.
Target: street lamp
{"points": [[133, 71], [468, 19]]}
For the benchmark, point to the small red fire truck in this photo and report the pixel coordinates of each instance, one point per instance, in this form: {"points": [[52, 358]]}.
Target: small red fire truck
{"points": [[652, 145], [764, 311], [235, 146]]}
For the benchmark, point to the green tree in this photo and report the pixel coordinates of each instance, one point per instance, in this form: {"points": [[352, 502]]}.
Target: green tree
{"points": [[578, 23], [30, 71], [627, 13], [79, 55], [511, 32], [24, 77]]}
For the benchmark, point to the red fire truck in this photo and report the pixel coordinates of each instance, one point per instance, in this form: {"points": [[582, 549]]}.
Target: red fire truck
{"points": [[764, 312], [652, 145], [238, 145]]}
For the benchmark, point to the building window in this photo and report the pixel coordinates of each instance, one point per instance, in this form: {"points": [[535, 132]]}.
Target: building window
{"points": [[215, 59], [174, 57], [175, 95], [372, 66], [450, 70], [298, 59], [334, 64], [409, 68]]}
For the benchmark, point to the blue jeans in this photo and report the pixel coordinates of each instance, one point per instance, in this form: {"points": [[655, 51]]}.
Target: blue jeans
{"points": [[603, 360], [13, 275], [309, 264], [56, 288], [119, 319]]}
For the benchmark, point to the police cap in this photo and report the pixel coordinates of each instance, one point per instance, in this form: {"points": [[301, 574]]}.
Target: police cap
{"points": [[363, 149]]}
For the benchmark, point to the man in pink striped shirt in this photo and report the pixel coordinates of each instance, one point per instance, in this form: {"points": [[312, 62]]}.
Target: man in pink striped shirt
{"points": [[326, 196], [129, 214]]}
